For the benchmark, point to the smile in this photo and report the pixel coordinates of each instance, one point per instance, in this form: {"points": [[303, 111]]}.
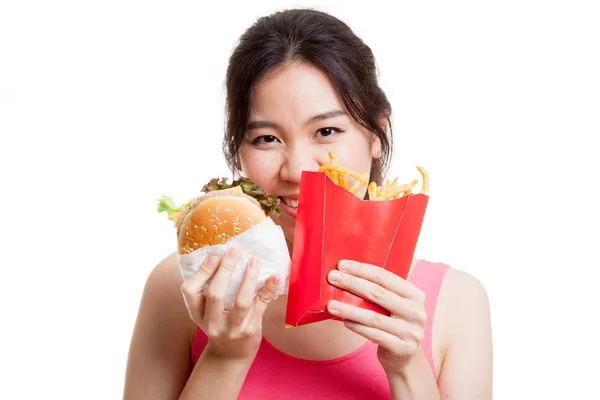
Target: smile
{"points": [[292, 203]]}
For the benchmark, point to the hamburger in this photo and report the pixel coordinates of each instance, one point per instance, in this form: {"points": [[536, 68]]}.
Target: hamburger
{"points": [[223, 212]]}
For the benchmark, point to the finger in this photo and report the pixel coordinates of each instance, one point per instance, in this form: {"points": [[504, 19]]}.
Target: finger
{"points": [[215, 296], [192, 286], [245, 297], [394, 326], [263, 298], [394, 345], [395, 304], [383, 277]]}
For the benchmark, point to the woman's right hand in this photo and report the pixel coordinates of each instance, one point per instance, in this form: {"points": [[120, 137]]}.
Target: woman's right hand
{"points": [[234, 333]]}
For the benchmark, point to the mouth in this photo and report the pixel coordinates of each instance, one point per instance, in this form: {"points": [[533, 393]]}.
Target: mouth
{"points": [[291, 202]]}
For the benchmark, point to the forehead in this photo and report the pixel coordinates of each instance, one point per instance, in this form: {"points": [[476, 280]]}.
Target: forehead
{"points": [[297, 91]]}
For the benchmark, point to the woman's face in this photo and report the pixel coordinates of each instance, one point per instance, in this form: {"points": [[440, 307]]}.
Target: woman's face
{"points": [[296, 118]]}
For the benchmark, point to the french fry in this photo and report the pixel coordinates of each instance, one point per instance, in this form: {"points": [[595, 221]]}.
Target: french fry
{"points": [[335, 175], [384, 190], [342, 179], [339, 168], [425, 185], [390, 190], [372, 189], [333, 158], [395, 192], [409, 189], [355, 188]]}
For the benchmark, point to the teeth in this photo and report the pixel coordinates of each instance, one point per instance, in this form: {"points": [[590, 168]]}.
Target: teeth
{"points": [[291, 203]]}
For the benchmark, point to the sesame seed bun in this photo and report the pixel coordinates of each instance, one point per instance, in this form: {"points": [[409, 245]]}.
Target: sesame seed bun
{"points": [[217, 217]]}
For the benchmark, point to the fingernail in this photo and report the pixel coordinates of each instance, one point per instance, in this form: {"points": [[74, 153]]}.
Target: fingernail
{"points": [[344, 265], [213, 261], [334, 305], [232, 254], [276, 279], [335, 276], [254, 264]]}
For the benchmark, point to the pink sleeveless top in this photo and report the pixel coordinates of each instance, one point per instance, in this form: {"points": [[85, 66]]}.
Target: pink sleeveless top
{"points": [[359, 375]]}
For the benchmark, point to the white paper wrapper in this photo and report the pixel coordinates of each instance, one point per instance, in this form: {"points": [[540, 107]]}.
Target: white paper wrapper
{"points": [[265, 240]]}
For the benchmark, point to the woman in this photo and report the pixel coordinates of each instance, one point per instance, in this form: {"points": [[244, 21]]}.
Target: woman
{"points": [[300, 84]]}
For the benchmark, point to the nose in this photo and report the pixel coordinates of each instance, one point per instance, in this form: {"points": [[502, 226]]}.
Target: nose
{"points": [[298, 159]]}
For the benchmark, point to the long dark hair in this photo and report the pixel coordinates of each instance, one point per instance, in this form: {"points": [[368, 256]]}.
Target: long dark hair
{"points": [[324, 41]]}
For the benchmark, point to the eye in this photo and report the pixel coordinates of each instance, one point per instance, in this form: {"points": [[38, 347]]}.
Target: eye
{"points": [[265, 139], [328, 131]]}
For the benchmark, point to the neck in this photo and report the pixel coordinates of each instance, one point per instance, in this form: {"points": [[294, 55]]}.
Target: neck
{"points": [[324, 340]]}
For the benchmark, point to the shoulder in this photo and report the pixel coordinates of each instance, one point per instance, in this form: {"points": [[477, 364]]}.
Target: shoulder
{"points": [[463, 305], [458, 297], [461, 283], [165, 273], [451, 286]]}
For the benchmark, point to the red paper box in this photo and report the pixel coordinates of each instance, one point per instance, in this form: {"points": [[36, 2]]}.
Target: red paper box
{"points": [[333, 224]]}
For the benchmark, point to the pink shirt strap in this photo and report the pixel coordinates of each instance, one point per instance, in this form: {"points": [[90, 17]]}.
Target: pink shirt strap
{"points": [[428, 277]]}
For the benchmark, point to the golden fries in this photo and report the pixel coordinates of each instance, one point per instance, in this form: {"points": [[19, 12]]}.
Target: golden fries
{"points": [[339, 176], [425, 185], [390, 190]]}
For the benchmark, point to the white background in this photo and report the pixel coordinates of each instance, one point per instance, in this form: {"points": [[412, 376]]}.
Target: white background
{"points": [[105, 106]]}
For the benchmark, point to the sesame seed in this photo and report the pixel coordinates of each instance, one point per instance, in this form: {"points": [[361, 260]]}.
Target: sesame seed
{"points": [[195, 244], [195, 226], [216, 228], [250, 219], [225, 221], [209, 210], [227, 210], [187, 234]]}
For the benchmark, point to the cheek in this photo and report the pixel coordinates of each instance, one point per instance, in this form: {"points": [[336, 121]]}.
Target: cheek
{"points": [[356, 156], [260, 167]]}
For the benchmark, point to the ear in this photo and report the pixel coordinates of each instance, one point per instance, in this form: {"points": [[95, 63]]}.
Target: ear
{"points": [[375, 147], [376, 142], [238, 163]]}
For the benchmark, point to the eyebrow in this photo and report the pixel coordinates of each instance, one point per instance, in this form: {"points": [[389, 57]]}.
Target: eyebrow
{"points": [[318, 117]]}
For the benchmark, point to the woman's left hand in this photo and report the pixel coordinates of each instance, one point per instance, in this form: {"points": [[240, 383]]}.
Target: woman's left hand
{"points": [[399, 336]]}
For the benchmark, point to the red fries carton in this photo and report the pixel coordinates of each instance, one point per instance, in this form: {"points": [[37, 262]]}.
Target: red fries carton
{"points": [[333, 224]]}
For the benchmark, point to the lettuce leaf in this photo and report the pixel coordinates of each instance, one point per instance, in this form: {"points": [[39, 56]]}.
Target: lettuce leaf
{"points": [[269, 203]]}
